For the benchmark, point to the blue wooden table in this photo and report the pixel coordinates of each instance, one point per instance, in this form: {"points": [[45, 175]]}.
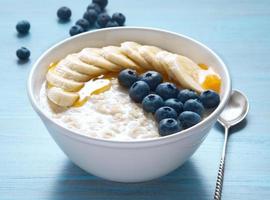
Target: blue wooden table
{"points": [[33, 167]]}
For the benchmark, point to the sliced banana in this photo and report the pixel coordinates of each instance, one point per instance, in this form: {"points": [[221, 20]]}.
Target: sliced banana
{"points": [[74, 63], [182, 71], [66, 84], [67, 73], [149, 54], [161, 59], [94, 56], [62, 98], [115, 55], [131, 50]]}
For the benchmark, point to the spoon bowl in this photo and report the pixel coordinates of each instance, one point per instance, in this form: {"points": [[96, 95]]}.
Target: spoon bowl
{"points": [[235, 111]]}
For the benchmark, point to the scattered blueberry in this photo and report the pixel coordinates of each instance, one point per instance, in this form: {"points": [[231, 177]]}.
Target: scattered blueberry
{"points": [[74, 30], [95, 7], [176, 104], [165, 112], [119, 18], [64, 13], [187, 94], [111, 24], [194, 105], [103, 19], [23, 53], [138, 91], [152, 102], [169, 126], [189, 119], [127, 77], [83, 23], [91, 16], [101, 3], [152, 78], [210, 99], [23, 27], [167, 90]]}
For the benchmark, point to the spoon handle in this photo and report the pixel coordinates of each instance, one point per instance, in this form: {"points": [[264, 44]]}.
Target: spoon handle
{"points": [[219, 182]]}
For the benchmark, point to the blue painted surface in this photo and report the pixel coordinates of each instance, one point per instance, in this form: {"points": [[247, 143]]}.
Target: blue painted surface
{"points": [[33, 167]]}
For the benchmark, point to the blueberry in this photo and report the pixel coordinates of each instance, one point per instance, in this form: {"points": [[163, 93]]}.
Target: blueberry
{"points": [[186, 94], [64, 13], [176, 104], [23, 27], [152, 78], [165, 112], [91, 16], [189, 119], [152, 102], [119, 18], [194, 105], [23, 53], [101, 3], [169, 126], [167, 90], [138, 91], [210, 99], [95, 7], [127, 77], [103, 19], [74, 30], [111, 24], [83, 23]]}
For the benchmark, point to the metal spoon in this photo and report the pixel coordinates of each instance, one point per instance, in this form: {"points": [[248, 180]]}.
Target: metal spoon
{"points": [[235, 111]]}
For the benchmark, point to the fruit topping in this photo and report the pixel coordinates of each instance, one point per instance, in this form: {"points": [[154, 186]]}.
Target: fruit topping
{"points": [[165, 112], [127, 77], [169, 126], [138, 91], [152, 102], [210, 99], [213, 82], [189, 119], [176, 104], [152, 78], [194, 105], [167, 90], [187, 94]]}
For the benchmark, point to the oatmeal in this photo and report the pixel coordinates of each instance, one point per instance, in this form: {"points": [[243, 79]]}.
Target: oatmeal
{"points": [[109, 115]]}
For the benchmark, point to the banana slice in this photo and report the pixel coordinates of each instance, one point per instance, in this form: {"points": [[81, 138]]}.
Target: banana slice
{"points": [[66, 84], [183, 70], [70, 74], [149, 54], [160, 58], [115, 55], [94, 56], [74, 63], [62, 98], [131, 50]]}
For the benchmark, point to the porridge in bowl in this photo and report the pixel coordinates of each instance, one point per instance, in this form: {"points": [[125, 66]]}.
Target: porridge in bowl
{"points": [[129, 92]]}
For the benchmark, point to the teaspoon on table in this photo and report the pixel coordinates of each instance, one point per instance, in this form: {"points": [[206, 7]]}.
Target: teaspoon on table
{"points": [[234, 112]]}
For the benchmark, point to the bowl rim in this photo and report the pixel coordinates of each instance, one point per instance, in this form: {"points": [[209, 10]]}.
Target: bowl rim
{"points": [[84, 138]]}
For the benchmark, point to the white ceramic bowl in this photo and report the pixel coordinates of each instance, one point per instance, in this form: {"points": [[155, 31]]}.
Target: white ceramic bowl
{"points": [[129, 161]]}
